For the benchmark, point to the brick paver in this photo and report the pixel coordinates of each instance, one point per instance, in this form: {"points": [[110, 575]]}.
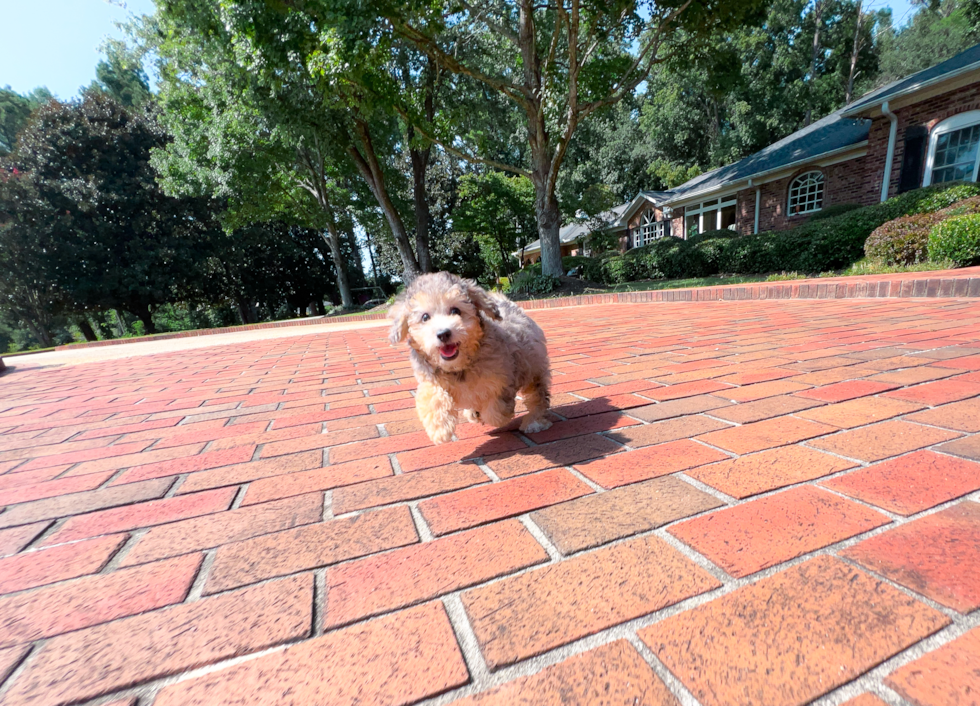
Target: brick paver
{"points": [[771, 497]]}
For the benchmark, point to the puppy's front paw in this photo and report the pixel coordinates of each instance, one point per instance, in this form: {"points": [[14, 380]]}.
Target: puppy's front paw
{"points": [[536, 426]]}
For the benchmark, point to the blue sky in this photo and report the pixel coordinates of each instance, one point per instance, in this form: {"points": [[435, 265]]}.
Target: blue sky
{"points": [[55, 43]]}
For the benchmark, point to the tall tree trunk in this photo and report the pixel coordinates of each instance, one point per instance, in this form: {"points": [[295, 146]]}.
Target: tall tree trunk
{"points": [[420, 164], [370, 169], [86, 328], [120, 324], [854, 56], [40, 333], [333, 242], [142, 310], [549, 225], [374, 266], [814, 55]]}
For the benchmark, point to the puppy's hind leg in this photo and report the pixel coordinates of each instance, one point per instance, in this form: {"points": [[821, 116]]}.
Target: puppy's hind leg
{"points": [[436, 412], [537, 399], [500, 410]]}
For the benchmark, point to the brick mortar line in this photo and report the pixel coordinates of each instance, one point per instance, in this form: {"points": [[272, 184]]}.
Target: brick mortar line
{"points": [[554, 554], [22, 665], [196, 591], [134, 538], [875, 676], [421, 526]]}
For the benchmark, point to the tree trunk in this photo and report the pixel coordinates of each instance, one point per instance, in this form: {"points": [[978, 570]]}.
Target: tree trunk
{"points": [[40, 333], [549, 225], [374, 266], [420, 163], [142, 310], [120, 324], [86, 328], [333, 241], [854, 56], [370, 169]]}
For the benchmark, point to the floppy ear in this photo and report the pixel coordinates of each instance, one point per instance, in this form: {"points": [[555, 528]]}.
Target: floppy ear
{"points": [[481, 300], [398, 313]]}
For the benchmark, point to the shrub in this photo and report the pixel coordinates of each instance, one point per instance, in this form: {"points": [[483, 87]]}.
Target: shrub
{"points": [[834, 211], [594, 270], [956, 239], [947, 197], [902, 241], [722, 234], [573, 261], [530, 283]]}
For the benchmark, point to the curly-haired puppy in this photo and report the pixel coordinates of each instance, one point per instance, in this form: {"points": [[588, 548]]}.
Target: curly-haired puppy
{"points": [[472, 352]]}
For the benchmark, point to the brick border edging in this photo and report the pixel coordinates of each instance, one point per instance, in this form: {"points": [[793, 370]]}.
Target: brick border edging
{"points": [[800, 289], [879, 289]]}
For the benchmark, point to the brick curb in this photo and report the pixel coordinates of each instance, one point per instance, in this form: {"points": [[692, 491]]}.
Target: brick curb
{"points": [[877, 287], [801, 289]]}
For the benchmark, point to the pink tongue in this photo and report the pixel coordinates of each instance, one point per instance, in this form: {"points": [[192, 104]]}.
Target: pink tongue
{"points": [[448, 351]]}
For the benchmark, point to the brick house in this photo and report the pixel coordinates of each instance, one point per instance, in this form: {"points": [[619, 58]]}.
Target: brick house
{"points": [[917, 131]]}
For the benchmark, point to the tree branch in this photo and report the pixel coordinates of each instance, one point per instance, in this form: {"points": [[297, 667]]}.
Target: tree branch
{"points": [[479, 16], [430, 48], [468, 157]]}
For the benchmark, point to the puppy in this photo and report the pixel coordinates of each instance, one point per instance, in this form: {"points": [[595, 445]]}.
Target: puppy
{"points": [[472, 352]]}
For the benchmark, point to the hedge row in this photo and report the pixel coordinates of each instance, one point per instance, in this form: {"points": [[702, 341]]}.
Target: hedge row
{"points": [[823, 244]]}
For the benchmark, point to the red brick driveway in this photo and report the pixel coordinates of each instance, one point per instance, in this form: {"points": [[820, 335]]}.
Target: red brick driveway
{"points": [[740, 503]]}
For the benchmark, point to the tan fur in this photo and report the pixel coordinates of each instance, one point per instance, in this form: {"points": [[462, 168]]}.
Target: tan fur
{"points": [[500, 352]]}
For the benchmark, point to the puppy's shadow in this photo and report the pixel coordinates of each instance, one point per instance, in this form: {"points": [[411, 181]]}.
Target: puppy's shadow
{"points": [[575, 439]]}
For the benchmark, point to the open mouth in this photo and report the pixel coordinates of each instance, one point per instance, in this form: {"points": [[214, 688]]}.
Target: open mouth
{"points": [[449, 352]]}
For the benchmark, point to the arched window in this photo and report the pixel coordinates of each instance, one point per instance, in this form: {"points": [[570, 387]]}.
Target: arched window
{"points": [[805, 193], [953, 150]]}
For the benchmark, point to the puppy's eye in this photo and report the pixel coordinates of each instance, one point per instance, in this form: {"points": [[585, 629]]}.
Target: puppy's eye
{"points": [[425, 317], [455, 312]]}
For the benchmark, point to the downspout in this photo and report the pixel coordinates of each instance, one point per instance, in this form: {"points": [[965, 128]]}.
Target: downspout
{"points": [[758, 196], [890, 155]]}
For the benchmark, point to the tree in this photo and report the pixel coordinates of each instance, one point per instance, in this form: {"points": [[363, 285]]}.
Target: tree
{"points": [[265, 265], [121, 75], [15, 110], [28, 294], [264, 156], [938, 31], [574, 58], [498, 212], [266, 54], [118, 241]]}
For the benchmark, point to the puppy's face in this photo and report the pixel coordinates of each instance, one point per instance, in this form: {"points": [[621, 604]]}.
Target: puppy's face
{"points": [[440, 317]]}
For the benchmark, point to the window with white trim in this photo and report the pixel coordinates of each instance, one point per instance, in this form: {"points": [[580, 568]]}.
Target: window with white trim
{"points": [[650, 229], [806, 193], [953, 147], [715, 214]]}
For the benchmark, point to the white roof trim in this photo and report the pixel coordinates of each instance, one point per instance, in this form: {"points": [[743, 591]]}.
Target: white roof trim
{"points": [[632, 208]]}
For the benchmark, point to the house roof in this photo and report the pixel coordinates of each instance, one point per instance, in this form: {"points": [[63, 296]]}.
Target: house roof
{"points": [[578, 229], [655, 197], [839, 132], [833, 133], [962, 63]]}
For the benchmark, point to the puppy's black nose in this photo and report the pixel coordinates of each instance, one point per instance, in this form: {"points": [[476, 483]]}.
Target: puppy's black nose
{"points": [[444, 335]]}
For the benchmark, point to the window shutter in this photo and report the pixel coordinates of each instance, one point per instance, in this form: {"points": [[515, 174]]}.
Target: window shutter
{"points": [[913, 158]]}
